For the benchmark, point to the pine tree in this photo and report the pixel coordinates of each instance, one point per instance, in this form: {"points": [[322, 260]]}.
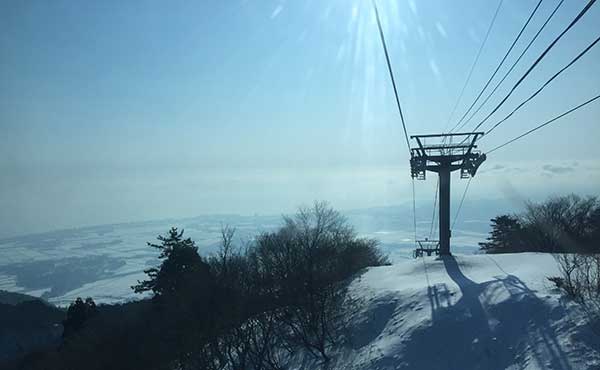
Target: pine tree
{"points": [[505, 236], [181, 268]]}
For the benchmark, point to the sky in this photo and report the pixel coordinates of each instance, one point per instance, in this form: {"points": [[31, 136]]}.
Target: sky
{"points": [[116, 111]]}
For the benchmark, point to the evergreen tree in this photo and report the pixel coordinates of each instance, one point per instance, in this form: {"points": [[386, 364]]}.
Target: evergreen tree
{"points": [[181, 269], [505, 236], [184, 295]]}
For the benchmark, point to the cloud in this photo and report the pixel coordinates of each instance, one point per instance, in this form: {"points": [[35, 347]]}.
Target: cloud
{"points": [[495, 168], [557, 170]]}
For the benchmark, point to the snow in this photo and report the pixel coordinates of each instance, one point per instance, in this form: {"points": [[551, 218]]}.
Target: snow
{"points": [[465, 312]]}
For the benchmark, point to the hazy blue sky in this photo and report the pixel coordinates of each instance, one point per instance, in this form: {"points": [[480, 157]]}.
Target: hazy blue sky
{"points": [[115, 111]]}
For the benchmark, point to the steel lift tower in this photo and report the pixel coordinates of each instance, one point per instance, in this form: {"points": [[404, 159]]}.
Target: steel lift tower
{"points": [[443, 154]]}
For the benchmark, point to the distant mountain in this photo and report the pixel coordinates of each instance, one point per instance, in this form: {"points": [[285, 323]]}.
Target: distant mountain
{"points": [[16, 298]]}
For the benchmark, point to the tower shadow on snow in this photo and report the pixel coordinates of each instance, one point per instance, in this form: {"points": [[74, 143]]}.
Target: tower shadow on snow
{"points": [[467, 334]]}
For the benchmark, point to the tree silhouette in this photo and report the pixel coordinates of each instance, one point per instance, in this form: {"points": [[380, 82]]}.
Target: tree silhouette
{"points": [[77, 314], [505, 236], [181, 266], [565, 224]]}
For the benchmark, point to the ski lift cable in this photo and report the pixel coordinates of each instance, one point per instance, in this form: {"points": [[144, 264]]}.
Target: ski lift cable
{"points": [[389, 65], [499, 65], [393, 80], [414, 211], [434, 205], [544, 124], [474, 64], [462, 200], [537, 61], [512, 67], [544, 85]]}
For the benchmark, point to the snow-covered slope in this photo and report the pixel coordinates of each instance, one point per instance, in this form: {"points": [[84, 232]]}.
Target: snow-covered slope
{"points": [[465, 312]]}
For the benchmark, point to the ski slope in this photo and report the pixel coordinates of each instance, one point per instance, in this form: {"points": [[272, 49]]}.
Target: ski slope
{"points": [[465, 312]]}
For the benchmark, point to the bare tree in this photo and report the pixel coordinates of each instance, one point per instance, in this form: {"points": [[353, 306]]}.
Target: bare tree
{"points": [[562, 224], [580, 280], [304, 265]]}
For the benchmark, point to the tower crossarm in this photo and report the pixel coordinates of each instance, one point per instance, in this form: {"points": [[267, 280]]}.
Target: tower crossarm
{"points": [[438, 150]]}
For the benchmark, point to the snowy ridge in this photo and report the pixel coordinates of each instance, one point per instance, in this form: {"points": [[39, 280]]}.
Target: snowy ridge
{"points": [[465, 312]]}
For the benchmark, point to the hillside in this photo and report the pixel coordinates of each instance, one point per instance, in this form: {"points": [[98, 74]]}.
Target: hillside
{"points": [[16, 298], [27, 324], [465, 312]]}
